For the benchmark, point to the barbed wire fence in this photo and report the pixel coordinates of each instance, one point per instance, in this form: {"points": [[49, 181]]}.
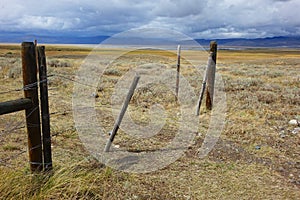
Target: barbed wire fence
{"points": [[12, 123], [20, 124], [13, 126]]}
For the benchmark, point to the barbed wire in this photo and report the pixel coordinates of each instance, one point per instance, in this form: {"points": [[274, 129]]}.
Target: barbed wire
{"points": [[2, 161], [18, 125], [7, 162], [27, 87], [10, 91], [72, 79], [35, 84]]}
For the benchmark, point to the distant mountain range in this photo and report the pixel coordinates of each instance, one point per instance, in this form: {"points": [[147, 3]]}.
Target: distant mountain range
{"points": [[291, 42]]}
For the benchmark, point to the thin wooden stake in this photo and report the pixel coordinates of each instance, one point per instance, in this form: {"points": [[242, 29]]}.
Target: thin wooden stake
{"points": [[209, 63], [124, 108], [211, 71], [178, 70], [29, 68], [44, 108]]}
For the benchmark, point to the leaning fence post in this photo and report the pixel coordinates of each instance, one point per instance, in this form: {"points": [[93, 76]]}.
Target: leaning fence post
{"points": [[203, 84], [29, 69], [44, 108], [178, 70], [122, 113], [211, 70]]}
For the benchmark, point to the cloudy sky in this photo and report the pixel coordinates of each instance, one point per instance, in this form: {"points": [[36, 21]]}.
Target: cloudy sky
{"points": [[195, 18]]}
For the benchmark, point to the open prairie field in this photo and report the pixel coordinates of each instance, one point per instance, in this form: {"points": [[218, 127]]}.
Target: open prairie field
{"points": [[257, 155]]}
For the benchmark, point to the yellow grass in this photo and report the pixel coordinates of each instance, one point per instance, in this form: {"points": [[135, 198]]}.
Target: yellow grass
{"points": [[250, 161]]}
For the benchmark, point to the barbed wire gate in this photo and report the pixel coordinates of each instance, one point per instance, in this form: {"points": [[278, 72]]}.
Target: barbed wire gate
{"points": [[39, 142]]}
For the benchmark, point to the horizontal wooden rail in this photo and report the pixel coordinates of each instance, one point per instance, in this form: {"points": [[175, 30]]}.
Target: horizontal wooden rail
{"points": [[15, 105]]}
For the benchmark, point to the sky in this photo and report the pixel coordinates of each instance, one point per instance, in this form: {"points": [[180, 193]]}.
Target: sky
{"points": [[202, 19]]}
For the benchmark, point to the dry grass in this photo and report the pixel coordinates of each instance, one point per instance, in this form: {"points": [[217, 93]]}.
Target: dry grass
{"points": [[250, 161]]}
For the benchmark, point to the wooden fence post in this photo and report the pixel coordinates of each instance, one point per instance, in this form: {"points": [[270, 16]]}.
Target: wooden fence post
{"points": [[122, 113], [211, 71], [14, 105], [178, 71], [44, 108], [29, 69]]}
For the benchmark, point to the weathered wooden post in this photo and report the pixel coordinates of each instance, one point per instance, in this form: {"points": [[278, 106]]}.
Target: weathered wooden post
{"points": [[15, 105], [211, 71], [29, 69], [178, 70], [44, 108], [122, 113]]}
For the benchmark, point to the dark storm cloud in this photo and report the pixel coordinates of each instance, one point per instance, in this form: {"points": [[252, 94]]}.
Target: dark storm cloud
{"points": [[197, 18]]}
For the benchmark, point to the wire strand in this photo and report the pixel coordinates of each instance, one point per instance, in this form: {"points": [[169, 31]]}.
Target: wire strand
{"points": [[28, 86], [70, 79]]}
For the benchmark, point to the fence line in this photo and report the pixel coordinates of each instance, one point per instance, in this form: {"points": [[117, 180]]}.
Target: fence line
{"points": [[31, 102], [33, 86], [10, 91], [29, 88], [5, 162], [19, 123], [26, 87], [72, 80]]}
